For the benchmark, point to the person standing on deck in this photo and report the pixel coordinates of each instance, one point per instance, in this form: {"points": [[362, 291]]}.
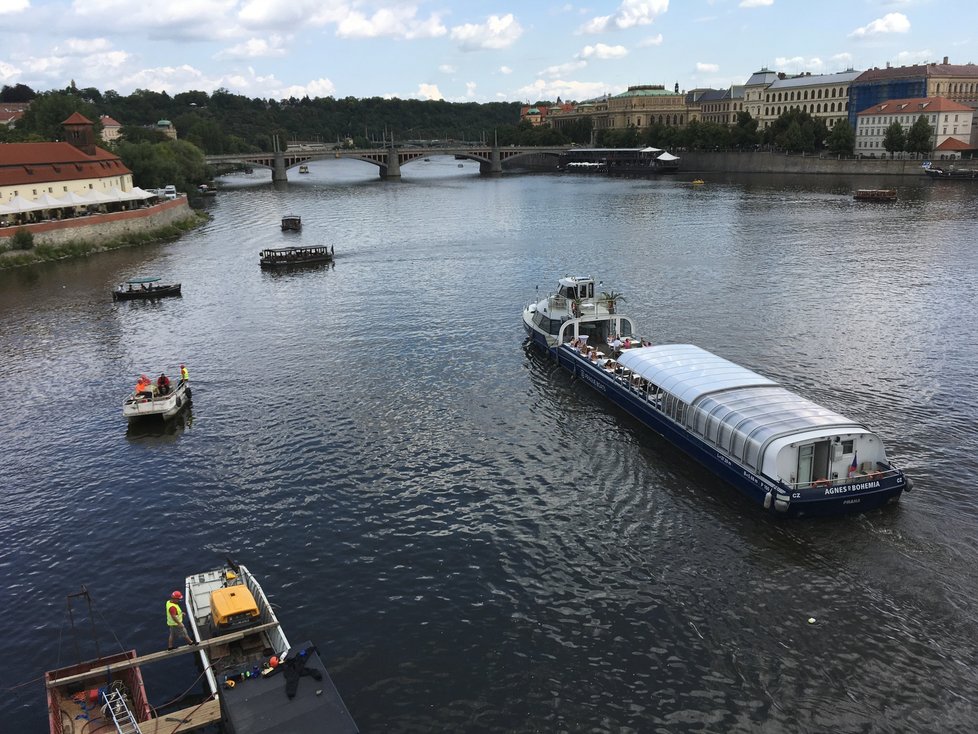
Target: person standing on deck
{"points": [[184, 375], [174, 620]]}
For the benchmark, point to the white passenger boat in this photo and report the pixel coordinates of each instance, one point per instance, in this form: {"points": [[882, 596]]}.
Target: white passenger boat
{"points": [[264, 683], [148, 400], [781, 450]]}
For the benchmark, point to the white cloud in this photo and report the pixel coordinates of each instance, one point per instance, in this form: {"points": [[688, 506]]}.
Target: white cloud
{"points": [[914, 57], [562, 69], [756, 3], [428, 91], [13, 6], [470, 89], [497, 32], [630, 13], [175, 19], [315, 88], [707, 68], [602, 51], [799, 63], [253, 48], [505, 70], [81, 46], [889, 23], [655, 40], [8, 72], [446, 69], [541, 89], [843, 58], [398, 22]]}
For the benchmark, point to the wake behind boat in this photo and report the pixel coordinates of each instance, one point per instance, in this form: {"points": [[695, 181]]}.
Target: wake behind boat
{"points": [[264, 683], [779, 449]]}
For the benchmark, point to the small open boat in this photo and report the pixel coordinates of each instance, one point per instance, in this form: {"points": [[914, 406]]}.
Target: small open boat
{"points": [[875, 195], [291, 222], [303, 168], [259, 678], [285, 256], [145, 288], [149, 399]]}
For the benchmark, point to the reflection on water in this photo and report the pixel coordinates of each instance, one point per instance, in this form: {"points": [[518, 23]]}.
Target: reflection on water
{"points": [[475, 540], [170, 429]]}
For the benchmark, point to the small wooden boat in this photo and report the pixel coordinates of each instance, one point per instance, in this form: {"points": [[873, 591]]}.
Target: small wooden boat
{"points": [[284, 256], [875, 195], [303, 168], [291, 222], [259, 679], [150, 400], [205, 190], [145, 288]]}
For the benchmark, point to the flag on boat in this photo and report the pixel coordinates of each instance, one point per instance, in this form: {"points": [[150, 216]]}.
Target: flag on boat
{"points": [[854, 465]]}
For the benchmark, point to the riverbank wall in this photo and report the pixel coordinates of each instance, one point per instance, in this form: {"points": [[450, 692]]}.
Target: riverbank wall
{"points": [[58, 232], [764, 162]]}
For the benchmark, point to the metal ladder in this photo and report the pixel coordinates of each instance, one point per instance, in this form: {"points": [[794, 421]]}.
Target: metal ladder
{"points": [[118, 709]]}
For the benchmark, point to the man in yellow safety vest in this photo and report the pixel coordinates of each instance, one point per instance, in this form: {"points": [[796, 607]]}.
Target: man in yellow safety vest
{"points": [[174, 620]]}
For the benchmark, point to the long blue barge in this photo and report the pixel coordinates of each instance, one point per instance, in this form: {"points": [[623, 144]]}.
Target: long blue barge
{"points": [[781, 450]]}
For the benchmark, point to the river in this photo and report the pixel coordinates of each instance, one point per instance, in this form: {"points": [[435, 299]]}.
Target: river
{"points": [[475, 541]]}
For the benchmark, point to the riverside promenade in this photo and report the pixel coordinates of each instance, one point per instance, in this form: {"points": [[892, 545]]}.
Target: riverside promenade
{"points": [[769, 162]]}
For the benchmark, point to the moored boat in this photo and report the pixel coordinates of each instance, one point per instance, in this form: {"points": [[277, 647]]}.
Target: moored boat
{"points": [[952, 172], [258, 679], [781, 450], [156, 399], [285, 256], [303, 168], [145, 288], [291, 222], [875, 195]]}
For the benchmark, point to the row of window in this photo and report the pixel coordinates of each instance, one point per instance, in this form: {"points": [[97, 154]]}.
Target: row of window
{"points": [[817, 109], [958, 88], [803, 95], [662, 120]]}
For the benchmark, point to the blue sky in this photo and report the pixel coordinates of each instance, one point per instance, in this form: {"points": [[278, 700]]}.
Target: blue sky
{"points": [[462, 50]]}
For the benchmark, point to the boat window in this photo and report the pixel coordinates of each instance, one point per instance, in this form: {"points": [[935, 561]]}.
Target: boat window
{"points": [[847, 446]]}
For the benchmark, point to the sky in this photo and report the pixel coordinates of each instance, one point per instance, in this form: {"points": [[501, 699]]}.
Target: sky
{"points": [[463, 50]]}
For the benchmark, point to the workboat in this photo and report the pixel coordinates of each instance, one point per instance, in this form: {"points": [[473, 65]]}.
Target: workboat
{"points": [[145, 288], [291, 223], [284, 256], [303, 168], [259, 678], [781, 450], [875, 195], [155, 400], [107, 693]]}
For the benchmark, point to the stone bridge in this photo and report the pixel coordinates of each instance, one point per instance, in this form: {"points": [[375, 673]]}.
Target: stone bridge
{"points": [[388, 160]]}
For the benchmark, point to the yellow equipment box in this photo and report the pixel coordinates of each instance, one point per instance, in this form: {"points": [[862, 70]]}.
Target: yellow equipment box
{"points": [[233, 606]]}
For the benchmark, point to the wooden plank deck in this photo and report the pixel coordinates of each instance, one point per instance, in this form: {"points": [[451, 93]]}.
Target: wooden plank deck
{"points": [[161, 655], [193, 717]]}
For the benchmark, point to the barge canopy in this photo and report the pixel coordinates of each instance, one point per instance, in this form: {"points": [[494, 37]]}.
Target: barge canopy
{"points": [[735, 409]]}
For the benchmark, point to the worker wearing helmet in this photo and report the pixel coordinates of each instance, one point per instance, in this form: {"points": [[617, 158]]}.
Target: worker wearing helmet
{"points": [[174, 620]]}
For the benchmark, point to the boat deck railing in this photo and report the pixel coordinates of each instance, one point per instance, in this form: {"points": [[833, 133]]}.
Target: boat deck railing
{"points": [[882, 471]]}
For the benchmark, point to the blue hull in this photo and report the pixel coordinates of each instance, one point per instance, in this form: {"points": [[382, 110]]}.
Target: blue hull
{"points": [[783, 501]]}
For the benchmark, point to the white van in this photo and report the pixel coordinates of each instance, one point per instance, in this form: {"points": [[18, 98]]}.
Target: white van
{"points": [[170, 192]]}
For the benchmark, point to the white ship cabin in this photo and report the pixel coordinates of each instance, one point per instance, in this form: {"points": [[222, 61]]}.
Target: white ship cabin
{"points": [[576, 310], [753, 420]]}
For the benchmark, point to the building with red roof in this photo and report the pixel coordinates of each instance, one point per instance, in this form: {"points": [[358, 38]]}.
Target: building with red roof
{"points": [[950, 121], [72, 174]]}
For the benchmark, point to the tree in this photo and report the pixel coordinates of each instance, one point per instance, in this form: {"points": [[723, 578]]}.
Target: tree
{"points": [[17, 93], [894, 138], [22, 240], [744, 134], [46, 113], [842, 140], [920, 137]]}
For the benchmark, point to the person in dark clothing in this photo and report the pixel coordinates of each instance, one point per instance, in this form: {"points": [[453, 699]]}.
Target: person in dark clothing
{"points": [[295, 668]]}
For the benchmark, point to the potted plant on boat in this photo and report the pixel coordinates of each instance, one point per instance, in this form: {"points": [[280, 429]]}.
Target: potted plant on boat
{"points": [[612, 298]]}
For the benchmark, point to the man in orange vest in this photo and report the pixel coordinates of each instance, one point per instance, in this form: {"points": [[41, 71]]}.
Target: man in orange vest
{"points": [[174, 620]]}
